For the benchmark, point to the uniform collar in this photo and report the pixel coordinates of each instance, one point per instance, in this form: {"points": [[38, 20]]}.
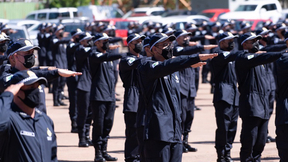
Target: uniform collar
{"points": [[15, 108], [132, 55]]}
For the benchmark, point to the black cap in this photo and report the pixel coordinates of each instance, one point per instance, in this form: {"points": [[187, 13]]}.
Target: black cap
{"points": [[20, 45], [146, 41], [160, 37], [85, 36], [168, 31], [280, 26], [76, 32], [134, 36], [27, 77], [249, 36], [262, 31], [245, 26], [180, 33], [225, 36], [101, 36]]}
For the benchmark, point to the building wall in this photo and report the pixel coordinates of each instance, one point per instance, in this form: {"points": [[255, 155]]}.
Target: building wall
{"points": [[199, 5], [17, 10]]}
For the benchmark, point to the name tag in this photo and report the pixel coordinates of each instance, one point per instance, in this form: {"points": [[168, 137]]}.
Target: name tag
{"points": [[26, 133]]}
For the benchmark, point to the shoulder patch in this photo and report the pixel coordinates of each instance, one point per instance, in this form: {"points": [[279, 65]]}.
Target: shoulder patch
{"points": [[55, 40], [8, 78], [226, 53], [99, 54], [72, 44], [178, 49], [87, 49], [131, 60], [250, 57], [155, 64]]}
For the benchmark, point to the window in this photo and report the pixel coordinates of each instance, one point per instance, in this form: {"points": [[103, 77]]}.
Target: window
{"points": [[121, 24], [157, 13], [65, 14], [75, 14], [31, 17], [246, 8], [272, 6], [28, 25], [208, 14], [41, 16], [53, 15]]}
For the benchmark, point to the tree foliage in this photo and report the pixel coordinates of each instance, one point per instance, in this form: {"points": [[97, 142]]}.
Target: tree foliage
{"points": [[68, 3]]}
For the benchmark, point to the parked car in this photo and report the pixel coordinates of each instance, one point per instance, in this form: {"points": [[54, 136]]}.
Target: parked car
{"points": [[264, 9], [30, 25], [121, 27], [196, 19], [255, 23], [214, 14], [53, 14], [19, 32], [144, 13], [178, 12], [284, 14], [94, 12]]}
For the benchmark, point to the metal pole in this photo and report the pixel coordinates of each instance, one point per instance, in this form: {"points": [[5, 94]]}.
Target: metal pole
{"points": [[177, 5]]}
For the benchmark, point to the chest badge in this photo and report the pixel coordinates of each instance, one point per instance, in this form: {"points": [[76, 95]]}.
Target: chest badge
{"points": [[49, 135]]}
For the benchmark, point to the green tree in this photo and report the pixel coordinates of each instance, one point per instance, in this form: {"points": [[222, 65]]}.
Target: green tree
{"points": [[68, 3]]}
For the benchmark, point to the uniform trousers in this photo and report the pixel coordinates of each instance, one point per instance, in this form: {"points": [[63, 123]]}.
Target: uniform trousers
{"points": [[103, 117], [282, 141], [187, 105], [72, 92], [84, 113], [160, 151], [253, 138], [226, 120], [131, 143]]}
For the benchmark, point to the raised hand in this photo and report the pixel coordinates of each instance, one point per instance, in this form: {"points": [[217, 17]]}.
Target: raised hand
{"points": [[207, 56], [68, 73], [198, 64]]}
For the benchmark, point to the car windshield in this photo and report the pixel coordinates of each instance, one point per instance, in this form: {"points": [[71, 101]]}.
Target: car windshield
{"points": [[209, 14], [121, 24], [246, 8], [17, 34]]}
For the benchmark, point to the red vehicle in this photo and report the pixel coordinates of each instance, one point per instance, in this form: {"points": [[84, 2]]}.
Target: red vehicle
{"points": [[121, 27], [213, 14]]}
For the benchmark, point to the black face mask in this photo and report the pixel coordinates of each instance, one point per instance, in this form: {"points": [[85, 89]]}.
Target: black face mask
{"points": [[50, 30], [167, 52], [90, 43], [8, 33], [255, 47], [112, 33], [29, 61], [3, 47], [283, 32], [105, 46], [32, 98], [138, 47], [265, 39], [230, 46], [186, 42], [61, 34], [77, 40]]}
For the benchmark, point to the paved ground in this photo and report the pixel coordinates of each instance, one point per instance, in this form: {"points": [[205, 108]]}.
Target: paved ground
{"points": [[202, 136]]}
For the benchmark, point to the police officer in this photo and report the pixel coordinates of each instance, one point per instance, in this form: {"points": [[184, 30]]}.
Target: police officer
{"points": [[187, 83], [280, 32], [41, 51], [160, 86], [72, 81], [22, 125], [83, 89], [59, 44], [254, 96], [102, 96], [281, 106], [226, 96], [3, 47], [128, 73]]}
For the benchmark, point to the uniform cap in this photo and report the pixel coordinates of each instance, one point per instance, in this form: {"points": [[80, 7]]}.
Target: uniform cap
{"points": [[249, 36], [3, 37], [180, 33], [262, 31], [134, 36], [225, 36], [280, 26], [85, 36], [146, 41], [101, 36], [20, 45], [27, 77], [160, 37]]}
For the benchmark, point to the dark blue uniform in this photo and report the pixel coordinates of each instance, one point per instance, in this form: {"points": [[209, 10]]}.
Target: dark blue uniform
{"points": [[187, 90], [83, 91], [60, 61], [281, 120], [26, 138], [72, 82], [102, 97], [226, 101], [160, 83], [254, 109], [129, 76], [42, 50]]}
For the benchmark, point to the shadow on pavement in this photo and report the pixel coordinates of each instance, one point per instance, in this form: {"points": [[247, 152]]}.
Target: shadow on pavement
{"points": [[264, 158], [67, 145], [116, 151], [205, 142], [114, 137], [72, 161]]}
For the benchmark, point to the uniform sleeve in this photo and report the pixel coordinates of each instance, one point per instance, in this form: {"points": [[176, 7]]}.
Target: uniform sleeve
{"points": [[252, 60], [129, 63], [197, 38], [177, 51], [82, 54], [274, 48], [48, 74], [115, 40], [54, 147], [101, 57], [224, 58], [160, 69], [2, 59], [6, 99]]}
